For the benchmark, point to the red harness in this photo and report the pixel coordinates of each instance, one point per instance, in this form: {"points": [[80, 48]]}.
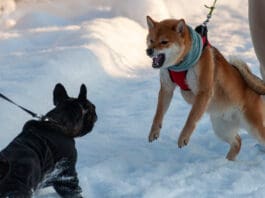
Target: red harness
{"points": [[180, 77]]}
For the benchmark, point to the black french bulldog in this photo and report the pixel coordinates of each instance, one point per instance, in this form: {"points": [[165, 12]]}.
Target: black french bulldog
{"points": [[44, 153]]}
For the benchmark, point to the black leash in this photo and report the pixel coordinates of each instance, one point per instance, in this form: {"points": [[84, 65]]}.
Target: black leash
{"points": [[34, 115]]}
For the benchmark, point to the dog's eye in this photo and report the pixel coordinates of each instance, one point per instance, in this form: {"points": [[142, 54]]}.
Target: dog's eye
{"points": [[151, 41], [164, 42]]}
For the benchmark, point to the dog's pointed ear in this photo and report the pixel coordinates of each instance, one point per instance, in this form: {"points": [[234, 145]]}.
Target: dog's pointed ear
{"points": [[59, 94], [150, 22], [83, 92], [180, 27]]}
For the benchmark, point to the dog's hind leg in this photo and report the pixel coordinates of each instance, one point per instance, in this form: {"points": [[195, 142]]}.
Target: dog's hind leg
{"points": [[227, 130], [254, 117]]}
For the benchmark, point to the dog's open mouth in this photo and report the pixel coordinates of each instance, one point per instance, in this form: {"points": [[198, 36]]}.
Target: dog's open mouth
{"points": [[158, 60]]}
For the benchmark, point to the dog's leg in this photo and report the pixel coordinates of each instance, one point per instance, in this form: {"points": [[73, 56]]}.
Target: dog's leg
{"points": [[188, 96], [68, 186], [254, 114], [235, 147], [164, 99], [198, 108], [227, 131], [202, 98]]}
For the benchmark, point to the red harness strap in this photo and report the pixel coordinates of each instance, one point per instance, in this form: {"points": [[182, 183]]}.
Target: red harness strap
{"points": [[180, 79]]}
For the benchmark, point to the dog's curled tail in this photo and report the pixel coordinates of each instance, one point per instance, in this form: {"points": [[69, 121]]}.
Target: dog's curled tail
{"points": [[253, 81]]}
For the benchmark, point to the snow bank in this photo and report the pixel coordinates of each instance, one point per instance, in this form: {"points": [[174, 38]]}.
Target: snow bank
{"points": [[6, 8], [119, 45], [135, 10]]}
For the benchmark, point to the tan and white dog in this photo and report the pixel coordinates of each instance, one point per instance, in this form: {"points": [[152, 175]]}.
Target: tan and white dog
{"points": [[228, 91]]}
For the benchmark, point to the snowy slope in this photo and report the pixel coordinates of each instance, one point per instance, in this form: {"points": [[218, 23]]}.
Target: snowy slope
{"points": [[102, 44]]}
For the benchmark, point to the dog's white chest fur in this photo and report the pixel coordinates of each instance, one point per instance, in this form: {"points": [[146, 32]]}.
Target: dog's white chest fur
{"points": [[192, 79], [166, 80]]}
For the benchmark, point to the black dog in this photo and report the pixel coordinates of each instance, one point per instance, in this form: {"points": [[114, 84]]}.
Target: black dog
{"points": [[47, 147]]}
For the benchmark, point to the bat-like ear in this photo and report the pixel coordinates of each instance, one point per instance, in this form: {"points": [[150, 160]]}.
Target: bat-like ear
{"points": [[150, 22], [59, 94], [83, 92], [180, 27]]}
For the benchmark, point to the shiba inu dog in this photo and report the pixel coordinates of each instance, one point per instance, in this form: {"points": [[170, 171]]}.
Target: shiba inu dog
{"points": [[47, 147], [228, 91]]}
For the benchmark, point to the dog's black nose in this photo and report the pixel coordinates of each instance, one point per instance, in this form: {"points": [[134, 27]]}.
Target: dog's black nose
{"points": [[150, 51]]}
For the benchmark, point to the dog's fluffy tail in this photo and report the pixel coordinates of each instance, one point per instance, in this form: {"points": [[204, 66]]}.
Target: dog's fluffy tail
{"points": [[253, 81]]}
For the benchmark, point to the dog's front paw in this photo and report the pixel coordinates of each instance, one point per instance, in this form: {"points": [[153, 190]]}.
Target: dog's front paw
{"points": [[183, 140], [154, 134]]}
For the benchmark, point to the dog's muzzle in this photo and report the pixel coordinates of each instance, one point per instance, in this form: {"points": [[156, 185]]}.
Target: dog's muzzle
{"points": [[158, 60]]}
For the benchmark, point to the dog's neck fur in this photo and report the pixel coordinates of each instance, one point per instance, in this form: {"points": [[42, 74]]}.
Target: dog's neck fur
{"points": [[192, 56]]}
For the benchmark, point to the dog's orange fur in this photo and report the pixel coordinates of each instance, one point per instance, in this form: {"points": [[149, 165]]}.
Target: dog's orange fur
{"points": [[216, 86]]}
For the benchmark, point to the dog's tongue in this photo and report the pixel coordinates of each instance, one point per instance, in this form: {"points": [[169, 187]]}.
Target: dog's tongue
{"points": [[158, 60]]}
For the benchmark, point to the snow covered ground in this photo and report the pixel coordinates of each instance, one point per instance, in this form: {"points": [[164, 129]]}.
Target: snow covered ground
{"points": [[102, 43]]}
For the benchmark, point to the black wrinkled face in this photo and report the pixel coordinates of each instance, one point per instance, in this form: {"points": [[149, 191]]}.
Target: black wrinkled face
{"points": [[89, 117], [76, 115]]}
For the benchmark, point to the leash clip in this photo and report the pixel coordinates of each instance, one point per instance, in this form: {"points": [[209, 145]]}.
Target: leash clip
{"points": [[209, 15]]}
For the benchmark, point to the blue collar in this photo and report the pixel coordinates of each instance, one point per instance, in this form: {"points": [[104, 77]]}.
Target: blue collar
{"points": [[193, 55]]}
